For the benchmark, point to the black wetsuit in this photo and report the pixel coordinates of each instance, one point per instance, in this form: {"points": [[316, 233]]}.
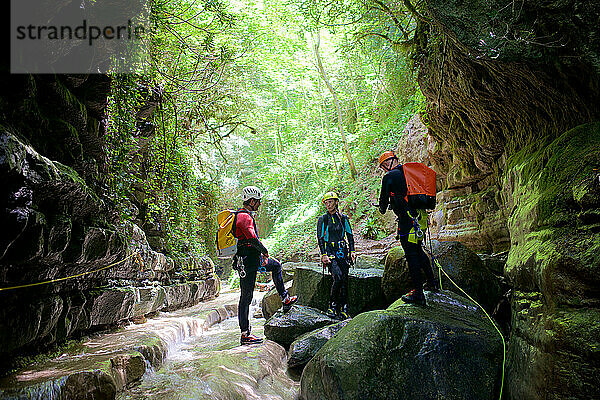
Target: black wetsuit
{"points": [[251, 251], [335, 239], [393, 192]]}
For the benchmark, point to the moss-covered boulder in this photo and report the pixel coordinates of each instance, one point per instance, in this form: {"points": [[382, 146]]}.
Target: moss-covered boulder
{"points": [[447, 349], [396, 279], [284, 328], [553, 193], [366, 262], [460, 263], [364, 288], [271, 302], [288, 270], [303, 349], [468, 271]]}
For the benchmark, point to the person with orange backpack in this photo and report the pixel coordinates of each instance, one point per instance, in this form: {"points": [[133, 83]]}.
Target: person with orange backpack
{"points": [[253, 256], [409, 189]]}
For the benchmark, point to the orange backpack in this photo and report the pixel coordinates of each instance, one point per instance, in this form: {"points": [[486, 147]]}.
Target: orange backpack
{"points": [[420, 185]]}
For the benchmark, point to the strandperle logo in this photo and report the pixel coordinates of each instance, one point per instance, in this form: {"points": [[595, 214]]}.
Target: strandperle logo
{"points": [[79, 36], [84, 31]]}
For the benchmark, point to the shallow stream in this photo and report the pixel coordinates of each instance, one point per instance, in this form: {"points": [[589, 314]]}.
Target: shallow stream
{"points": [[213, 365], [201, 359]]}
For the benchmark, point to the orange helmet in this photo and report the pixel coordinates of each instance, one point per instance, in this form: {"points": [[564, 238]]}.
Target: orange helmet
{"points": [[386, 155]]}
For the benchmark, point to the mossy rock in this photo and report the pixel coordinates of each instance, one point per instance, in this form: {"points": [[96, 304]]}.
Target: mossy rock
{"points": [[554, 250], [366, 262], [271, 302], [96, 384], [289, 269], [462, 265], [396, 279], [447, 349], [364, 288], [468, 271], [553, 191], [284, 328], [561, 342], [303, 349]]}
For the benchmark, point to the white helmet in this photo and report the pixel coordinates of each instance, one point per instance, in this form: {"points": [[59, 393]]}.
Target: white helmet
{"points": [[251, 192]]}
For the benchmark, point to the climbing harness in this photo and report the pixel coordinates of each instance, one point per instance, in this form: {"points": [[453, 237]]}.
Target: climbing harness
{"points": [[238, 265], [139, 260], [417, 232], [262, 266], [440, 271], [342, 249]]}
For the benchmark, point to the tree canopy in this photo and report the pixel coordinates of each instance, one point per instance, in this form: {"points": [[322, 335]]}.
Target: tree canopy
{"points": [[295, 97]]}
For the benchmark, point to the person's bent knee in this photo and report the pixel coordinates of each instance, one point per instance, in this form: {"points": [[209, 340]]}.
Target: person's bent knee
{"points": [[273, 265]]}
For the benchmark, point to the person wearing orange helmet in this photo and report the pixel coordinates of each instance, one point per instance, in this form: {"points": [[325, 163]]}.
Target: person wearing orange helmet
{"points": [[336, 243], [393, 193]]}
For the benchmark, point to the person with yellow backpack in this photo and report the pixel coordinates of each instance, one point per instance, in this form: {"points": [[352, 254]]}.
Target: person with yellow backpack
{"points": [[252, 256], [409, 189]]}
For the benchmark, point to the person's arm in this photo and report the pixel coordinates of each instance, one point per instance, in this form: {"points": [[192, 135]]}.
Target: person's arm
{"points": [[257, 244], [321, 240], [350, 236], [384, 195]]}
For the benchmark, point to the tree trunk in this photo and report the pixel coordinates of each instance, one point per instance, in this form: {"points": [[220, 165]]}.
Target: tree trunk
{"points": [[326, 149], [336, 101]]}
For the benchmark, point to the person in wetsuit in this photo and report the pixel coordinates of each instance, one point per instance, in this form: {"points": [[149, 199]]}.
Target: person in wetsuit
{"points": [[393, 193], [336, 243], [254, 256]]}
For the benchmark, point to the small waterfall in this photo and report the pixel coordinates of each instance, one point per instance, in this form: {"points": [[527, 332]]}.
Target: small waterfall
{"points": [[175, 330], [46, 390], [109, 357]]}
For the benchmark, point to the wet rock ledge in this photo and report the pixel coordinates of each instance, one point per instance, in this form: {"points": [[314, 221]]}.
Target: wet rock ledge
{"points": [[106, 364]]}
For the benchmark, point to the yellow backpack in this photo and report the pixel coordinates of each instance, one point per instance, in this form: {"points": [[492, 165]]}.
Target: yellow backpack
{"points": [[226, 242]]}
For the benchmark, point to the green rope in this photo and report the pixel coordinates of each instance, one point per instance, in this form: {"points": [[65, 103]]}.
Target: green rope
{"points": [[486, 314]]}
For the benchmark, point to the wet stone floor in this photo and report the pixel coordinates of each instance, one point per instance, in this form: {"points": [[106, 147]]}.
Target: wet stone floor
{"points": [[215, 366]]}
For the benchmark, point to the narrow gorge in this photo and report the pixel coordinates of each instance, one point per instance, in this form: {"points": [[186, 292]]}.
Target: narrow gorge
{"points": [[111, 184]]}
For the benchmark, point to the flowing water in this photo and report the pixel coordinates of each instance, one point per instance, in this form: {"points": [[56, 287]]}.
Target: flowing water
{"points": [[214, 366], [200, 360]]}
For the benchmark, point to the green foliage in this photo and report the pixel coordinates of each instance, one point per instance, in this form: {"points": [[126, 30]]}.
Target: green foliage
{"points": [[239, 101], [234, 280], [121, 143], [160, 167], [372, 230]]}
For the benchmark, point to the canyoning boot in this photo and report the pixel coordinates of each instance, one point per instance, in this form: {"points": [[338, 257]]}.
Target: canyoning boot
{"points": [[344, 313], [332, 311], [414, 297], [288, 302], [248, 338]]}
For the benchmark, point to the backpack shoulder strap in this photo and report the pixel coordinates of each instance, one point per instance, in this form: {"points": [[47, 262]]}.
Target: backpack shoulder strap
{"points": [[235, 215], [346, 223]]}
